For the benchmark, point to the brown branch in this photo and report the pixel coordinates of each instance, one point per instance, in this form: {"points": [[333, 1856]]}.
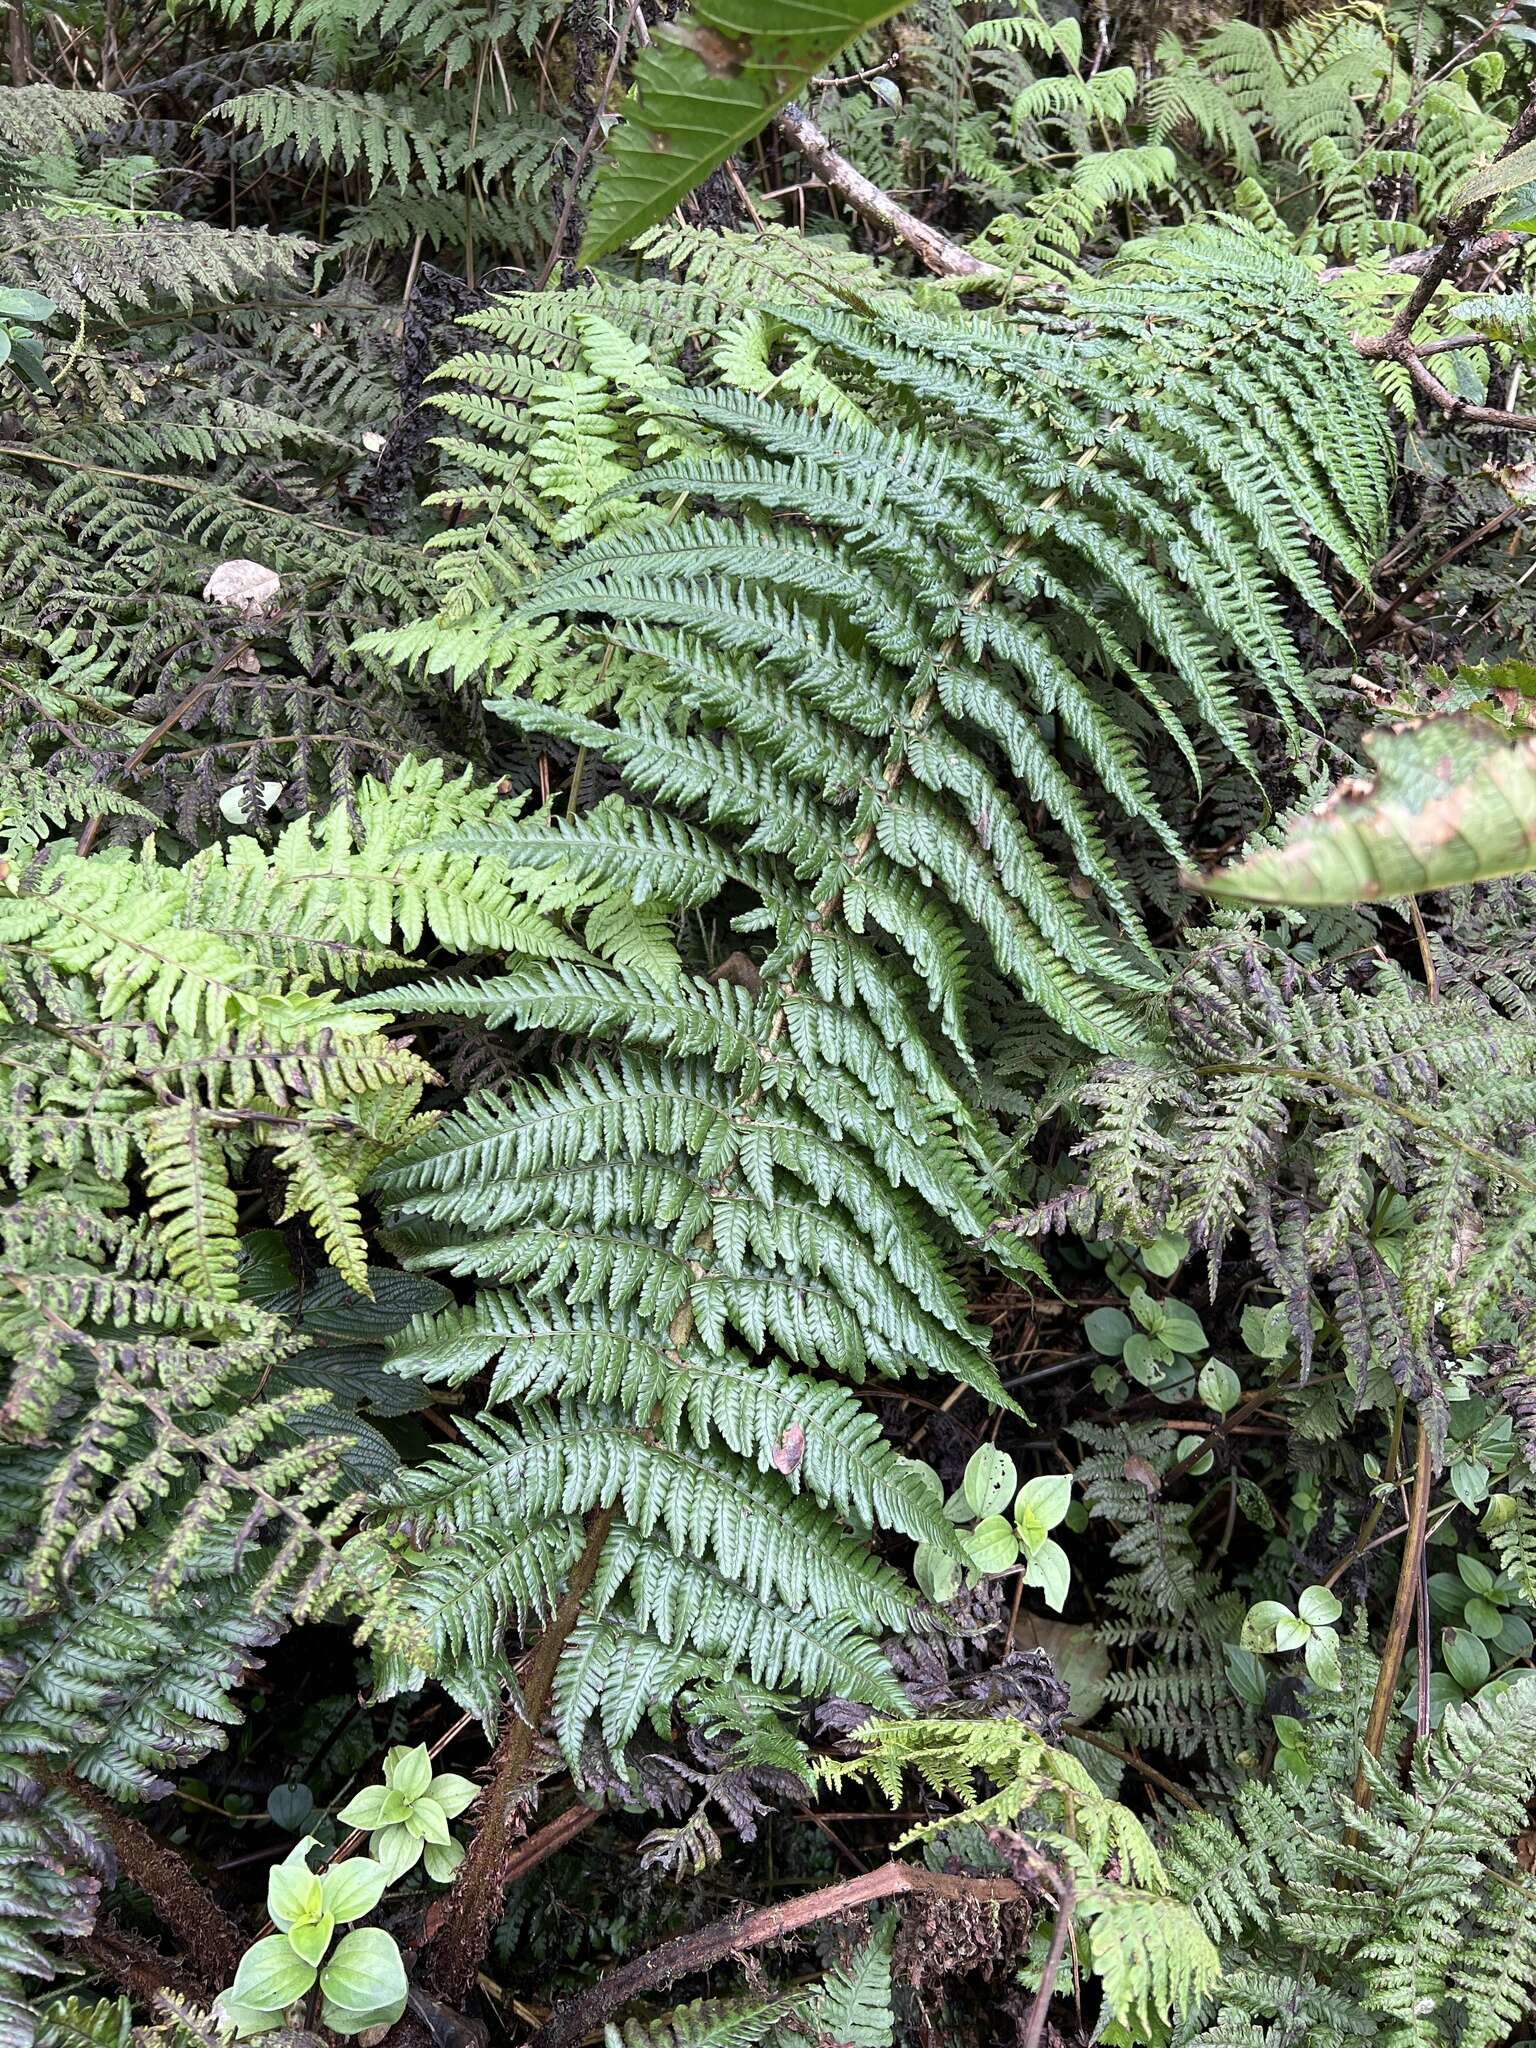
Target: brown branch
{"points": [[135, 1965], [452, 1958], [1403, 1607], [528, 1854], [1417, 261], [1464, 235], [726, 1939], [928, 244], [179, 1895]]}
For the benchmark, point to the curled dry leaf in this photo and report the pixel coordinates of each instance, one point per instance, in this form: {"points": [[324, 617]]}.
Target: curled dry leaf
{"points": [[249, 588]]}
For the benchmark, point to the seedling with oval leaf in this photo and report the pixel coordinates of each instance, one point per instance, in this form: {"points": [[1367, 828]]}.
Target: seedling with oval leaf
{"points": [[1155, 1341], [1271, 1627], [361, 1979], [1007, 1521], [408, 1815]]}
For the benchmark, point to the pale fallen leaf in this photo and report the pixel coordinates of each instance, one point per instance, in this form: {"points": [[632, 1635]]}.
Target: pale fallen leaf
{"points": [[249, 588]]}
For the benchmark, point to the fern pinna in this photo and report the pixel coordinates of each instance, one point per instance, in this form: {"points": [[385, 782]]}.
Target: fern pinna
{"points": [[942, 551]]}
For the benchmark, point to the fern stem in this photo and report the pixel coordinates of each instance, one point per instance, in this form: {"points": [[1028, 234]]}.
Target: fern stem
{"points": [[173, 483], [456, 1950], [1496, 1162], [1403, 1607]]}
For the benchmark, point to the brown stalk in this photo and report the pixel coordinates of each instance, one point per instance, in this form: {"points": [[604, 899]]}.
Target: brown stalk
{"points": [[453, 1956], [1404, 1607], [928, 244], [736, 1935], [1463, 237], [179, 1895]]}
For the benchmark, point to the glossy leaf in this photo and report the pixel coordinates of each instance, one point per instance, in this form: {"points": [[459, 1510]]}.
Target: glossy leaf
{"points": [[1454, 800], [354, 1888], [990, 1478], [365, 1972], [708, 83], [271, 1976]]}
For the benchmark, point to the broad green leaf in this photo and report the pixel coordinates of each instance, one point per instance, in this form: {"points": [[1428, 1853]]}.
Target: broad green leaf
{"points": [[708, 83], [310, 1939], [936, 1572], [1292, 1632], [1050, 1569], [452, 1792], [1146, 1359], [408, 1771], [1469, 1482], [1267, 1331], [1454, 800], [1045, 1500], [365, 1972], [293, 1890], [990, 1478], [370, 1809], [1322, 1656], [1466, 1658], [1246, 1670], [1182, 1330], [341, 2021], [1318, 1606], [442, 1859], [992, 1545], [16, 304], [1106, 1330], [1483, 1618], [246, 2019], [1260, 1625], [1474, 1574], [1165, 1254], [427, 1820], [353, 1888], [395, 1849], [1220, 1387], [271, 1976]]}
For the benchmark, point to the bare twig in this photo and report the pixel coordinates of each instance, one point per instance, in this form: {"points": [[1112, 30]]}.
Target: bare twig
{"points": [[454, 1954], [1464, 237], [1417, 261], [942, 256], [1403, 1608], [1061, 1884], [586, 2013], [589, 142]]}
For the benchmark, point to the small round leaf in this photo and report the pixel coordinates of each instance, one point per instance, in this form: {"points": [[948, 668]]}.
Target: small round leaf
{"points": [[1318, 1606], [271, 1976], [365, 1972]]}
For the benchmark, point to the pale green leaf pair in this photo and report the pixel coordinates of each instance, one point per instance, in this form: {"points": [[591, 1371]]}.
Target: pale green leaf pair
{"points": [[1271, 1627], [409, 1815], [362, 1985]]}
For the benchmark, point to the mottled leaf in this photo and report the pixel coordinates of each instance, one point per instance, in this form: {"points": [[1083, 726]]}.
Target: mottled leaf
{"points": [[1453, 800], [709, 82]]}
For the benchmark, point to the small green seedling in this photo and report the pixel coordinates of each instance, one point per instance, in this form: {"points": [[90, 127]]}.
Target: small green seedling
{"points": [[362, 1978], [1154, 1343], [409, 1815], [1271, 1627], [998, 1534], [21, 312]]}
